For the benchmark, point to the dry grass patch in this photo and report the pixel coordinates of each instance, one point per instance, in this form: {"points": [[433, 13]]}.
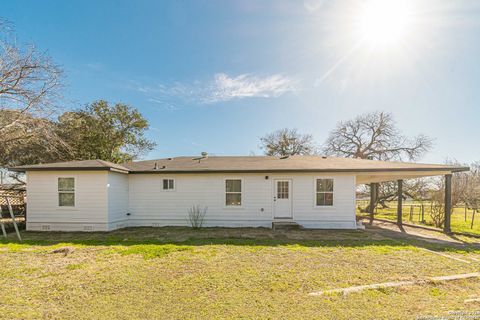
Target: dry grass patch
{"points": [[177, 273]]}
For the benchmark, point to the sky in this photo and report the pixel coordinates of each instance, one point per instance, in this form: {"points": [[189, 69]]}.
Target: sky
{"points": [[216, 76]]}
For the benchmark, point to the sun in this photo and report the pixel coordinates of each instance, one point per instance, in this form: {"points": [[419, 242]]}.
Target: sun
{"points": [[383, 23]]}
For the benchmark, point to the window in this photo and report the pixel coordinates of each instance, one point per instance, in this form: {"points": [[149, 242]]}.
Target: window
{"points": [[233, 192], [168, 184], [66, 192], [324, 192], [282, 189]]}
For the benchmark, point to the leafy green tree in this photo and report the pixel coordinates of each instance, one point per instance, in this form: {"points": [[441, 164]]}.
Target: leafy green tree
{"points": [[102, 131]]}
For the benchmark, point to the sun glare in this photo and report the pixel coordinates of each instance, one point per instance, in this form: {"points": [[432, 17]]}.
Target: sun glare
{"points": [[384, 22]]}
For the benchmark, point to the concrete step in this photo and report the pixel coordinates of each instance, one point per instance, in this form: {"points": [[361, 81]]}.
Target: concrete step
{"points": [[360, 225], [285, 225]]}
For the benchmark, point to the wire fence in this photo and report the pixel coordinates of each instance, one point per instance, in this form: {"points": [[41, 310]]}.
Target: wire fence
{"points": [[463, 218]]}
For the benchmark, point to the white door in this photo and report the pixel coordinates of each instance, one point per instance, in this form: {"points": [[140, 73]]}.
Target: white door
{"points": [[282, 199]]}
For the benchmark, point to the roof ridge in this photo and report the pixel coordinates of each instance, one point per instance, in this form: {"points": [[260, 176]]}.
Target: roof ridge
{"points": [[107, 163], [102, 162], [110, 164]]}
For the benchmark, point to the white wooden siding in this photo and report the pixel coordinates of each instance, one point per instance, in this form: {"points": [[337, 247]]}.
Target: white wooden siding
{"points": [[103, 200], [89, 213], [150, 205], [339, 216]]}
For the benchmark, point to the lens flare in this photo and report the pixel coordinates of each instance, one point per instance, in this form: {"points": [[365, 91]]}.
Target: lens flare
{"points": [[384, 22]]}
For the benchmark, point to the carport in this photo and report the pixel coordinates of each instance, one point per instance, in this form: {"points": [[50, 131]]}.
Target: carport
{"points": [[373, 177]]}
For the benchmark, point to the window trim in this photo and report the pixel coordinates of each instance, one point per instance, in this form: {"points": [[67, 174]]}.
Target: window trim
{"points": [[174, 185], [75, 199], [242, 193], [315, 193]]}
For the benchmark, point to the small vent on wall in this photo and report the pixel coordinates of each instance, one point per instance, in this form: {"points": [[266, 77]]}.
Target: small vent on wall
{"points": [[45, 227], [88, 228]]}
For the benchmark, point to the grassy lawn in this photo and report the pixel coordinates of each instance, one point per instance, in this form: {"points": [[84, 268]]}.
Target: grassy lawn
{"points": [[179, 273], [458, 221]]}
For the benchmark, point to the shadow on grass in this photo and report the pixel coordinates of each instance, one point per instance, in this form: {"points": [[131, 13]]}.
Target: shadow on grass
{"points": [[236, 237]]}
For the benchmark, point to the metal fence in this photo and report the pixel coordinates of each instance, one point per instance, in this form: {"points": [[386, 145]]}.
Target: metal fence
{"points": [[420, 212]]}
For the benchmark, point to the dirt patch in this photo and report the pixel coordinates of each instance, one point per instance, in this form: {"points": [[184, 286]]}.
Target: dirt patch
{"points": [[392, 230]]}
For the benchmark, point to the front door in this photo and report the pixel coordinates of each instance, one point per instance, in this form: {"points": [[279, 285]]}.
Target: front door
{"points": [[282, 199]]}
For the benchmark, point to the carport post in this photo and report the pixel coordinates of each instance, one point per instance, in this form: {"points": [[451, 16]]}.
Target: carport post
{"points": [[448, 203], [399, 201], [373, 200]]}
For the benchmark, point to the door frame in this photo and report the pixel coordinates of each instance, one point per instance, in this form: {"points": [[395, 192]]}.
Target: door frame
{"points": [[274, 194]]}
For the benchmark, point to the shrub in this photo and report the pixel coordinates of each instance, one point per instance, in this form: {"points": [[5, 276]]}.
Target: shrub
{"points": [[437, 213], [196, 215]]}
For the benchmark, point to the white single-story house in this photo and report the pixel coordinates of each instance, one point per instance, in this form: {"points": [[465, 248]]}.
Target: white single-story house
{"points": [[238, 191]]}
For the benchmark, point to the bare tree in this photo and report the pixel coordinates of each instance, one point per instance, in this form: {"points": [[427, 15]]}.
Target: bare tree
{"points": [[30, 140], [471, 195], [416, 189], [287, 142], [465, 190], [29, 90], [374, 136]]}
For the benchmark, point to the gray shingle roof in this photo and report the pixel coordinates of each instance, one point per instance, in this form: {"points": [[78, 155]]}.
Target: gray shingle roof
{"points": [[272, 164], [72, 165], [246, 164]]}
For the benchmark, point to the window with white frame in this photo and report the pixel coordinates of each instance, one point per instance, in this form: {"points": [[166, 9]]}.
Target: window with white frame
{"points": [[168, 184], [282, 189], [324, 192], [66, 192], [233, 192]]}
